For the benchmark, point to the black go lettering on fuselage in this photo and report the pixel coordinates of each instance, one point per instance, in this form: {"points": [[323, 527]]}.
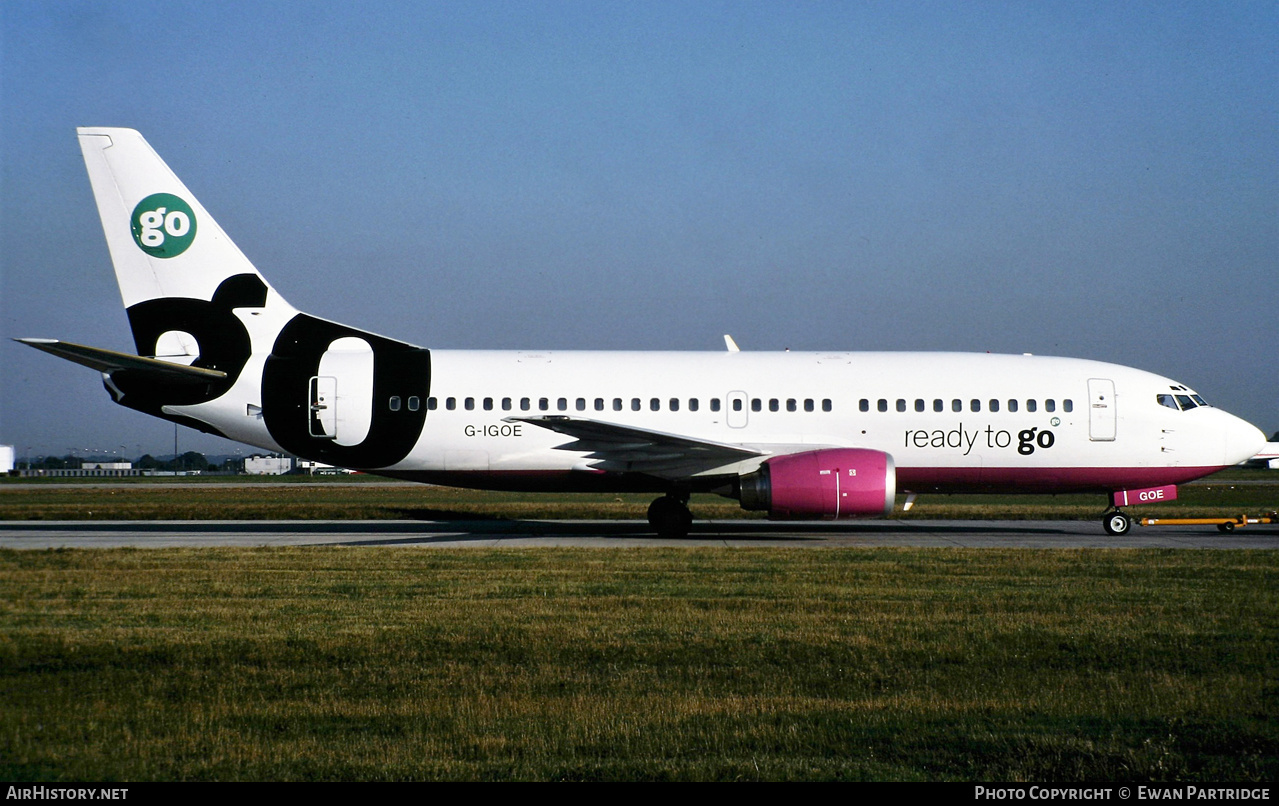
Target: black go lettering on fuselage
{"points": [[224, 344], [399, 370], [1028, 439], [223, 341]]}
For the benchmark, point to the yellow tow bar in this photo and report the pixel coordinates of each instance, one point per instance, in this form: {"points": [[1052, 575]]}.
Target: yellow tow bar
{"points": [[1222, 524]]}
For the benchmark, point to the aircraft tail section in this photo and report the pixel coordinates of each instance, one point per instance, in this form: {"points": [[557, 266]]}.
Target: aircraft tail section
{"points": [[218, 348]]}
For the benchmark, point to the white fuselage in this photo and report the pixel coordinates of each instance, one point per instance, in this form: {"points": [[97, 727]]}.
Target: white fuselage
{"points": [[951, 421]]}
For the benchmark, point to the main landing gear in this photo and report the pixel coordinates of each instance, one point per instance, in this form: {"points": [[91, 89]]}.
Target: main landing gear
{"points": [[1116, 523], [669, 515]]}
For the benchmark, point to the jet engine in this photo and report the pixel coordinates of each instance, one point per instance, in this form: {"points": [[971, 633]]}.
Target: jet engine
{"points": [[829, 484]]}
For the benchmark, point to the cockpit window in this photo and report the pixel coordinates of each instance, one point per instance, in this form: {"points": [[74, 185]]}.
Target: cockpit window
{"points": [[1182, 402]]}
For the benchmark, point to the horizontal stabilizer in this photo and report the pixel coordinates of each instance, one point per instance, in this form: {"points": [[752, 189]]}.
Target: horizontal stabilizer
{"points": [[109, 361]]}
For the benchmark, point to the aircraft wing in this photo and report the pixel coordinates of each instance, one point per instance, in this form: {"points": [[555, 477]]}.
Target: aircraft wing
{"points": [[108, 361], [619, 448]]}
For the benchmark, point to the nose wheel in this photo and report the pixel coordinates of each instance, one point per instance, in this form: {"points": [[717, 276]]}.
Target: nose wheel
{"points": [[669, 515], [1116, 523]]}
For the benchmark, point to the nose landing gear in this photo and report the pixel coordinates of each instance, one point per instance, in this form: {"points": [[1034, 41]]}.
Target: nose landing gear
{"points": [[1116, 523]]}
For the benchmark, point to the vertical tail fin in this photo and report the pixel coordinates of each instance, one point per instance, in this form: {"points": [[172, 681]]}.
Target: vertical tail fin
{"points": [[165, 246]]}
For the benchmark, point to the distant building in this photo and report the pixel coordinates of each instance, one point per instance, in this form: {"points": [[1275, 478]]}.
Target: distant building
{"points": [[92, 469], [6, 458], [320, 468], [268, 465]]}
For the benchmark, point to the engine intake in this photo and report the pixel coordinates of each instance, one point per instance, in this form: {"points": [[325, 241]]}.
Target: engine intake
{"points": [[830, 484]]}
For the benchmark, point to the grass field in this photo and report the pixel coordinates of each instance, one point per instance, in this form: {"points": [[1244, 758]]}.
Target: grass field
{"points": [[1227, 494], [349, 663]]}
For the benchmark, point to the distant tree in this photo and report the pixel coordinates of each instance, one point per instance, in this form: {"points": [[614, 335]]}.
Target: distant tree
{"points": [[193, 461]]}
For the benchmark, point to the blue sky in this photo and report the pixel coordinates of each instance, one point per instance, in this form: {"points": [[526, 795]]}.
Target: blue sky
{"points": [[1095, 180]]}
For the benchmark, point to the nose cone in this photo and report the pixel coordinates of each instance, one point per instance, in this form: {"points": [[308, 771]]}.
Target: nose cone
{"points": [[1242, 440]]}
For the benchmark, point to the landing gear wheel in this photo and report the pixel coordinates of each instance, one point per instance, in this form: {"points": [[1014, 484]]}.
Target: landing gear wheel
{"points": [[670, 517], [1116, 523], [1225, 527]]}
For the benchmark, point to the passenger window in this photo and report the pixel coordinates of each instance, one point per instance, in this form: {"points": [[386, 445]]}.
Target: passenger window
{"points": [[692, 404], [450, 403], [599, 404], [939, 405], [901, 404], [1012, 405], [488, 404], [791, 404], [581, 404], [863, 405], [617, 404], [394, 403], [757, 404], [994, 404], [506, 404], [431, 404], [1067, 405], [919, 404], [808, 404], [562, 404], [1050, 405], [655, 404], [674, 404], [525, 404], [543, 404], [956, 405], [974, 404], [635, 404], [714, 404], [469, 403], [737, 404], [773, 405], [825, 404], [415, 403], [1030, 405], [882, 405]]}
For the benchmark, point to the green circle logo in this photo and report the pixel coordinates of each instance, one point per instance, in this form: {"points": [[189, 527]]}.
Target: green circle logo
{"points": [[163, 225]]}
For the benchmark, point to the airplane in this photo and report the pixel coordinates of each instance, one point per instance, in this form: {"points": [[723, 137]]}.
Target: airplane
{"points": [[798, 435], [1268, 456]]}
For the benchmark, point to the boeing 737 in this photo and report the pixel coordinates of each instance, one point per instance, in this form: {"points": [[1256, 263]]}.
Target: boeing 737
{"points": [[824, 435]]}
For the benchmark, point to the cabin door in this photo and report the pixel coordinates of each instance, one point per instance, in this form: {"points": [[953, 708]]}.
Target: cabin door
{"points": [[324, 407], [1101, 410]]}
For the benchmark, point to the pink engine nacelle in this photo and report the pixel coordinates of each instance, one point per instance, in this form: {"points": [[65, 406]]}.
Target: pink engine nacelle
{"points": [[829, 484]]}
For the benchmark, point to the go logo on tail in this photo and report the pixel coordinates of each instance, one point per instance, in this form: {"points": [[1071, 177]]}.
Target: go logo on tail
{"points": [[163, 225]]}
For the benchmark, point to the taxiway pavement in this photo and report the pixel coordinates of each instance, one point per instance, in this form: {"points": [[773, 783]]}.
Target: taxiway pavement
{"points": [[618, 534]]}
